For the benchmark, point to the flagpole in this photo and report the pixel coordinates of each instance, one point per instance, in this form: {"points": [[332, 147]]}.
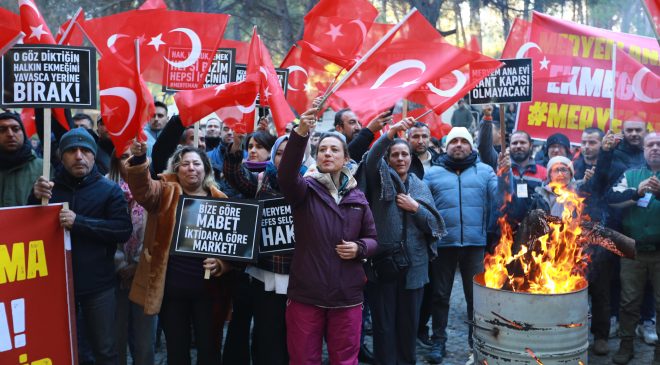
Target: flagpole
{"points": [[47, 150], [653, 25], [70, 26], [196, 135], [613, 85], [373, 49], [423, 115]]}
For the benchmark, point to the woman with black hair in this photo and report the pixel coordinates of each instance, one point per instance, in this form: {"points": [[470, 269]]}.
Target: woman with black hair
{"points": [[408, 226]]}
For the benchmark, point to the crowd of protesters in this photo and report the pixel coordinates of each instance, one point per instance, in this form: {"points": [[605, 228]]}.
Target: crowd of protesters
{"points": [[381, 225]]}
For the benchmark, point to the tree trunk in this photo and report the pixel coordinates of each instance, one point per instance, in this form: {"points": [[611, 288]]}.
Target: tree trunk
{"points": [[475, 19]]}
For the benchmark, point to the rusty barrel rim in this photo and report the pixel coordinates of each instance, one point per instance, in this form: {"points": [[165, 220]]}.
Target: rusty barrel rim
{"points": [[478, 280]]}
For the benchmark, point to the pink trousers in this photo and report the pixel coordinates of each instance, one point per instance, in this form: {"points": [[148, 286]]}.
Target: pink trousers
{"points": [[307, 325]]}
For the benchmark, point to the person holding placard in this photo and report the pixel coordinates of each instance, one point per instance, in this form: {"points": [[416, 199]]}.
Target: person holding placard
{"points": [[174, 286], [335, 232], [269, 278]]}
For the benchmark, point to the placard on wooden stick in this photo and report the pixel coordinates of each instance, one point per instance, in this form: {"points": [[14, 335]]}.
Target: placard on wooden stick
{"points": [[211, 227], [49, 76]]}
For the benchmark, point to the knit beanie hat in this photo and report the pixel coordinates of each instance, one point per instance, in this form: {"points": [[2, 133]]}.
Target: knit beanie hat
{"points": [[77, 137], [460, 132], [562, 160], [561, 139]]}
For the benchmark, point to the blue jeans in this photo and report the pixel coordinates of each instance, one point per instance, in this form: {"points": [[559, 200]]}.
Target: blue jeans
{"points": [[98, 313], [135, 329]]}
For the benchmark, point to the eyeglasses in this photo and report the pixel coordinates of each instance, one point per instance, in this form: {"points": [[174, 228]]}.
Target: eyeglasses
{"points": [[561, 170]]}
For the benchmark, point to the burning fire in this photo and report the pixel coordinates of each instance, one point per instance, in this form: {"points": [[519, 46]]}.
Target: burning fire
{"points": [[552, 264]]}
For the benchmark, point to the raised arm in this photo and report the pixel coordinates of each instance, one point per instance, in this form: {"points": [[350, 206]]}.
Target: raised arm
{"points": [[236, 174], [146, 191], [292, 185]]}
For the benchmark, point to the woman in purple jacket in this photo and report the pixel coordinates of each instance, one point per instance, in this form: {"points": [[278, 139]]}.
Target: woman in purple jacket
{"points": [[335, 232]]}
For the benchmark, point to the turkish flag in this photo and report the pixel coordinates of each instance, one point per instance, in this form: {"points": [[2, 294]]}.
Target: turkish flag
{"points": [[37, 32], [183, 40], [233, 102], [126, 103], [442, 93], [153, 4], [33, 24], [519, 34], [636, 91], [336, 30], [10, 30], [69, 34], [9, 37], [414, 55], [307, 76], [242, 49], [270, 89]]}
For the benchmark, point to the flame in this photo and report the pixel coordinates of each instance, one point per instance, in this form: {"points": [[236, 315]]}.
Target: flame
{"points": [[554, 263]]}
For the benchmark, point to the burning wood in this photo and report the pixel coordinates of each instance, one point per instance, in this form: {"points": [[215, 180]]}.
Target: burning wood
{"points": [[547, 254]]}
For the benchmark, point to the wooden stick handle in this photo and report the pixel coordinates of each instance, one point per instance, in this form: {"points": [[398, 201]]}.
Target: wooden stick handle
{"points": [[46, 161]]}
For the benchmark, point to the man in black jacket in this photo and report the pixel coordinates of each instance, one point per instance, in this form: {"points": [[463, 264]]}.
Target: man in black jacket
{"points": [[98, 219], [359, 139]]}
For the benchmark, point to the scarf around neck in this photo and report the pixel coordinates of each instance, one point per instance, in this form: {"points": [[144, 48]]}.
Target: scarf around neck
{"points": [[459, 165]]}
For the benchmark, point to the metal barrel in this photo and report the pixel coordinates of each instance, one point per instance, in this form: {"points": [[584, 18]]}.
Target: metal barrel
{"points": [[523, 328]]}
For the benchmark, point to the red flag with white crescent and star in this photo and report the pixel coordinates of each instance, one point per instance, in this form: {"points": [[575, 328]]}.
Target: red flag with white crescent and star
{"points": [[126, 102], [234, 103], [182, 40], [636, 91], [336, 30], [36, 31], [414, 55], [10, 30], [441, 93], [270, 89], [307, 77], [33, 24]]}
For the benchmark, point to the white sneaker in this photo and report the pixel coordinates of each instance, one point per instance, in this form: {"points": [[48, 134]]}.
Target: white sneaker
{"points": [[647, 331], [470, 360], [614, 327]]}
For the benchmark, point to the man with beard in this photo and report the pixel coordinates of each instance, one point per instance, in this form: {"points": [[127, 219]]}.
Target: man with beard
{"points": [[464, 191], [628, 154], [19, 165], [359, 139], [213, 129], [637, 193], [586, 162], [524, 168], [419, 138]]}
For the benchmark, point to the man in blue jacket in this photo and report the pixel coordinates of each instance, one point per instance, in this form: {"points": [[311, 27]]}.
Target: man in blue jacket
{"points": [[464, 190], [98, 219]]}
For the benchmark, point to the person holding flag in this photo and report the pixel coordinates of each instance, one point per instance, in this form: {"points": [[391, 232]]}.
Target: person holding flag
{"points": [[335, 231]]}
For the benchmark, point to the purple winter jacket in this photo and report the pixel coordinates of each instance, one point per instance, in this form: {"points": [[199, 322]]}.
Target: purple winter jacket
{"points": [[318, 275]]}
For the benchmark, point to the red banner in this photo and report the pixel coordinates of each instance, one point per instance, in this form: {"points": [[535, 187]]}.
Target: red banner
{"points": [[573, 78], [37, 317]]}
